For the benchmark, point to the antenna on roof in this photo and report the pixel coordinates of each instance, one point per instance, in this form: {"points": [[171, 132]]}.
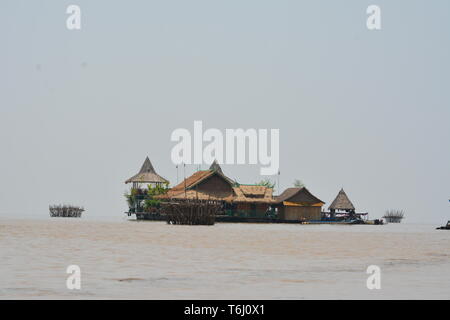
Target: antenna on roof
{"points": [[278, 186], [184, 177]]}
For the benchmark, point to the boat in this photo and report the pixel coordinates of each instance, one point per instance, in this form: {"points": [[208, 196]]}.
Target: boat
{"points": [[446, 227], [345, 221], [374, 222]]}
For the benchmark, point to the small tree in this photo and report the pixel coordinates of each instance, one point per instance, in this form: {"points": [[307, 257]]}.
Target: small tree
{"points": [[139, 199], [266, 183], [157, 190], [298, 183], [152, 203], [134, 198]]}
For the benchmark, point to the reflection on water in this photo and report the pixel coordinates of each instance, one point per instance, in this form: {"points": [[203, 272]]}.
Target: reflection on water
{"points": [[153, 260]]}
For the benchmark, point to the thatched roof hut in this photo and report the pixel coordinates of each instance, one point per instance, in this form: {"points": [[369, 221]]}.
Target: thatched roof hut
{"points": [[203, 185], [147, 174], [342, 202], [214, 185], [298, 204], [298, 195]]}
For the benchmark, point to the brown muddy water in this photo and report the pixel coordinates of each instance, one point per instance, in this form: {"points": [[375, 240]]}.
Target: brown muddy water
{"points": [[153, 260]]}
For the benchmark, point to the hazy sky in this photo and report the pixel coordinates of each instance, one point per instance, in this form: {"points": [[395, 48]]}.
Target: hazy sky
{"points": [[365, 110]]}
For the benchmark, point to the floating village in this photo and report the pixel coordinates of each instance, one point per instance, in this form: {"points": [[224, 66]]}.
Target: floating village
{"points": [[209, 196]]}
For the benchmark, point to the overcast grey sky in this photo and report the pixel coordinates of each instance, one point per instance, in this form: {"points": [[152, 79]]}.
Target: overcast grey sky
{"points": [[365, 110]]}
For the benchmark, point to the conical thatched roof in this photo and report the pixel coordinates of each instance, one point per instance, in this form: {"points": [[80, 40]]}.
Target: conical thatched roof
{"points": [[215, 167], [342, 202], [147, 174]]}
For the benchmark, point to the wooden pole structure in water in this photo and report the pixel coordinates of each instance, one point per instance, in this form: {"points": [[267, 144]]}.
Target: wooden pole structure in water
{"points": [[66, 211], [192, 212]]}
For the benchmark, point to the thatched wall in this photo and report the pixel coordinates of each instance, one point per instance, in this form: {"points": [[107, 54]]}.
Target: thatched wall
{"points": [[299, 213], [215, 185], [252, 209]]}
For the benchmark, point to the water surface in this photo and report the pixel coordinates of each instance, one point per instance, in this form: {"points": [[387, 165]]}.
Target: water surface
{"points": [[152, 260]]}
